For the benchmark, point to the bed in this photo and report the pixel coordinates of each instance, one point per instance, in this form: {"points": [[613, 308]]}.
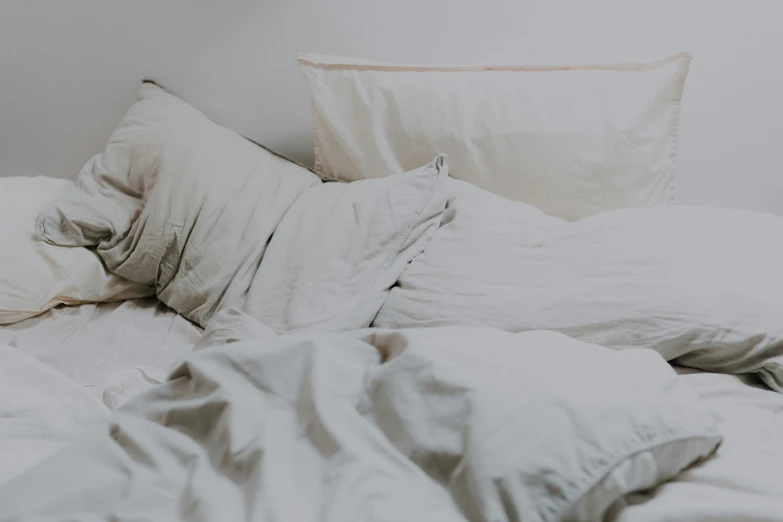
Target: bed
{"points": [[65, 386], [529, 329]]}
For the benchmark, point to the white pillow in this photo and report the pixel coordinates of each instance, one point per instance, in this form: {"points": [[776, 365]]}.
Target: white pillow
{"points": [[571, 141], [179, 202], [535, 426], [36, 276], [701, 286], [341, 246]]}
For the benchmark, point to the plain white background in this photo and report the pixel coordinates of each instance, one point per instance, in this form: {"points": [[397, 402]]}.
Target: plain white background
{"points": [[70, 68]]}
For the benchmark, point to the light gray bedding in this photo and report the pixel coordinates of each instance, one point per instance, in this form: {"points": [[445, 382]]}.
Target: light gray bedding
{"points": [[452, 424], [701, 286], [213, 221], [102, 345]]}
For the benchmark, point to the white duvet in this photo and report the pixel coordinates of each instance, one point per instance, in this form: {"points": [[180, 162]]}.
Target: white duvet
{"points": [[454, 424], [701, 286], [41, 411], [46, 415]]}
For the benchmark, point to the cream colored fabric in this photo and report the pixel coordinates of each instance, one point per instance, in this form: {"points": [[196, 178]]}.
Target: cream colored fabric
{"points": [[95, 344], [571, 141], [408, 426], [41, 412], [341, 246], [179, 202], [37, 276], [699, 285], [535, 426], [215, 222]]}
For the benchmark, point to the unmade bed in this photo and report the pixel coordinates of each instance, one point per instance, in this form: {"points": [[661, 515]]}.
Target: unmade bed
{"points": [[483, 303], [64, 393]]}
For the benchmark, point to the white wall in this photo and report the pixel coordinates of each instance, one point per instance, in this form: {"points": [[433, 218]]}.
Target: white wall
{"points": [[70, 68]]}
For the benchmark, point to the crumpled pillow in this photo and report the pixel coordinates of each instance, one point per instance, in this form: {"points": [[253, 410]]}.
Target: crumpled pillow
{"points": [[179, 203], [37, 276]]}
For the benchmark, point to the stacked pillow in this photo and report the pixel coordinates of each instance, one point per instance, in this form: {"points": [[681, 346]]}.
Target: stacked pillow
{"points": [[581, 241], [186, 206], [213, 221]]}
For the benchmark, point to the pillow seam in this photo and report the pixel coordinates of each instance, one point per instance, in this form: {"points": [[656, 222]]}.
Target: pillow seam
{"points": [[303, 60], [674, 182], [595, 475]]}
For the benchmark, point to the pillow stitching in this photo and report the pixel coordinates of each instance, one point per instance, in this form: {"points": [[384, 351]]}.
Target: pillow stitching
{"points": [[318, 166], [591, 478], [678, 93], [553, 512], [303, 60]]}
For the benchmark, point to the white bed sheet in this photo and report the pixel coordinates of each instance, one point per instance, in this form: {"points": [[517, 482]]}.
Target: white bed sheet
{"points": [[41, 411], [112, 351], [63, 372]]}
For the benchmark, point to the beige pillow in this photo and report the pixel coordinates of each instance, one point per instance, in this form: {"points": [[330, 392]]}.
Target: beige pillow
{"points": [[179, 202], [37, 276], [571, 141]]}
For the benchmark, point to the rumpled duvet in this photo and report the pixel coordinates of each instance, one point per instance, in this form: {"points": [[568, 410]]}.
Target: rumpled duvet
{"points": [[432, 424]]}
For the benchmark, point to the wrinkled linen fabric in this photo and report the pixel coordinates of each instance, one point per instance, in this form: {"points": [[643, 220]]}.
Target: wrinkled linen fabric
{"points": [[341, 246], [96, 344], [701, 286], [191, 208], [178, 202], [37, 276], [232, 325], [535, 426], [572, 141], [445, 425], [41, 411], [744, 481]]}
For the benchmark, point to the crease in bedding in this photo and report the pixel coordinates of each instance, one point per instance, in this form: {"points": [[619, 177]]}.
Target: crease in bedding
{"points": [[698, 285], [495, 420], [741, 481], [191, 208], [314, 426], [96, 343]]}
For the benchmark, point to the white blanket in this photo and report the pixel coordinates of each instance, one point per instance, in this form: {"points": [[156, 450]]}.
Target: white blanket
{"points": [[41, 411], [114, 349], [744, 481], [325, 427], [701, 286]]}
